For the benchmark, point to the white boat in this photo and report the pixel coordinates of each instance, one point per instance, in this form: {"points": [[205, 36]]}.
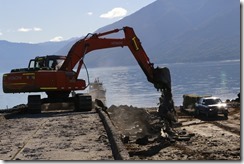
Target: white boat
{"points": [[97, 91]]}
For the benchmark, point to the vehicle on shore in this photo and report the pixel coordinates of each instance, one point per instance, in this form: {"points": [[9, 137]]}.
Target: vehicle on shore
{"points": [[211, 106]]}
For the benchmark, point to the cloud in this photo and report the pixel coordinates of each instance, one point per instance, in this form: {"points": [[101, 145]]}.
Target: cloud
{"points": [[90, 13], [1, 33], [37, 29], [22, 29], [116, 12], [57, 39]]}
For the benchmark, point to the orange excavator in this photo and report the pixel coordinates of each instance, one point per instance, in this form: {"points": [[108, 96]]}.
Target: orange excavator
{"points": [[57, 76]]}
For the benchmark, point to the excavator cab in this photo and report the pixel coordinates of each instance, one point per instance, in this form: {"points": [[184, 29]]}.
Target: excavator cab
{"points": [[49, 62], [53, 62]]}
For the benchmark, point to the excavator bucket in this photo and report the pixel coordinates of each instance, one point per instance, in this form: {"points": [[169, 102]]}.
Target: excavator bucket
{"points": [[162, 78]]}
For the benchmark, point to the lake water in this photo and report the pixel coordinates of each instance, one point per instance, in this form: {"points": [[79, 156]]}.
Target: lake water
{"points": [[128, 85]]}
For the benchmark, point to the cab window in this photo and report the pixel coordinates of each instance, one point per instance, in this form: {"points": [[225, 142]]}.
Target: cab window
{"points": [[40, 63], [32, 64]]}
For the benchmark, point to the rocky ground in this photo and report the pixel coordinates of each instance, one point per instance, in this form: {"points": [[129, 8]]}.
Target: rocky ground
{"points": [[66, 135], [202, 139]]}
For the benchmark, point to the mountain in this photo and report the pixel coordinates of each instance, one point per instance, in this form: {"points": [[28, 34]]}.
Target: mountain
{"points": [[179, 31], [17, 55], [170, 31]]}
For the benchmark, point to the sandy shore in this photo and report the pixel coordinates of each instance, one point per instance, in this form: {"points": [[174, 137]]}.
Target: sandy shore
{"points": [[54, 136]]}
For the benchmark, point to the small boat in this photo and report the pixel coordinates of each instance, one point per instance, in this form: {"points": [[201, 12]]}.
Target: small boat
{"points": [[97, 91]]}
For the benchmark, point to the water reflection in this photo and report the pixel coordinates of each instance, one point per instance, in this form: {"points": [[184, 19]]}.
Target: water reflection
{"points": [[129, 85]]}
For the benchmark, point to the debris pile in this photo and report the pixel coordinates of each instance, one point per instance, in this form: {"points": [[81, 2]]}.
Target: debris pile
{"points": [[135, 124]]}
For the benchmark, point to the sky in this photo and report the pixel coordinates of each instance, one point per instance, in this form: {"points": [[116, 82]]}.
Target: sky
{"points": [[32, 21]]}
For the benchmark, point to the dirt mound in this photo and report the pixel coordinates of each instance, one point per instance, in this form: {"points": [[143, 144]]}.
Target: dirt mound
{"points": [[134, 122], [217, 139]]}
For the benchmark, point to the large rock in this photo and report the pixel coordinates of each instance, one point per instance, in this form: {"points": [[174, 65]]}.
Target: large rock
{"points": [[189, 100]]}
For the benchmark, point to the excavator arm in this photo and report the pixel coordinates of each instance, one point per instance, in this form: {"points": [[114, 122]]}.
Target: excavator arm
{"points": [[160, 77]]}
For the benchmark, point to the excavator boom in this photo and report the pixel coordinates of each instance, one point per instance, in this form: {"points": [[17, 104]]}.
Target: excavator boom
{"points": [[160, 77]]}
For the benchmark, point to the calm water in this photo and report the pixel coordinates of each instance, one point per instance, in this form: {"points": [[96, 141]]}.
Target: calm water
{"points": [[128, 85]]}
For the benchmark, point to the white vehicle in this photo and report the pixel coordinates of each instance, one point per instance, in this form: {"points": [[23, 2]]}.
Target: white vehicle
{"points": [[211, 106]]}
